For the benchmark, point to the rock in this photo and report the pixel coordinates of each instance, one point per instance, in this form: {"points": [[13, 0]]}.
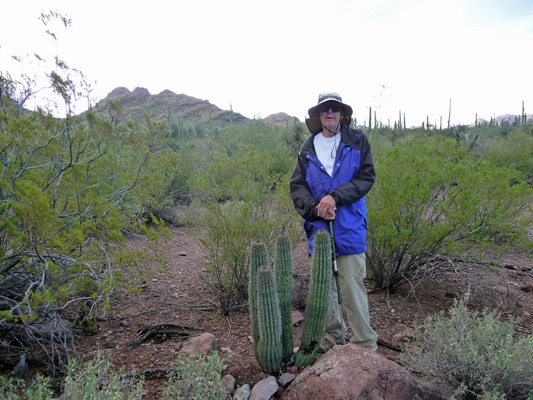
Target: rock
{"points": [[293, 370], [228, 381], [286, 379], [296, 317], [242, 393], [263, 390], [226, 349], [404, 335], [203, 345], [352, 372]]}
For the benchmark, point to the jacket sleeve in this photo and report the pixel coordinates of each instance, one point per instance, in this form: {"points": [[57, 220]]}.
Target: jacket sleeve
{"points": [[303, 200], [360, 185]]}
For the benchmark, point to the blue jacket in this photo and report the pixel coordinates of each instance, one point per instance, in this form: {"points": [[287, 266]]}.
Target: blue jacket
{"points": [[352, 178]]}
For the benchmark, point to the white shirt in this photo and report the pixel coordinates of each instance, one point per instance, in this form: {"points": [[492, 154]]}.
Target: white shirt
{"points": [[326, 150]]}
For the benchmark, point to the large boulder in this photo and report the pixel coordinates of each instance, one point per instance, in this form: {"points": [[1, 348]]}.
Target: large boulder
{"points": [[352, 372]]}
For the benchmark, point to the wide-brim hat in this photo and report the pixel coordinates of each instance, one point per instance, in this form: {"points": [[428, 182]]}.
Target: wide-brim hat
{"points": [[313, 122]]}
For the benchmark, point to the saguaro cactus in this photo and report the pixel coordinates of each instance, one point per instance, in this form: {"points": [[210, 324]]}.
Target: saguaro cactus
{"points": [[269, 321], [259, 259], [284, 287], [318, 301]]}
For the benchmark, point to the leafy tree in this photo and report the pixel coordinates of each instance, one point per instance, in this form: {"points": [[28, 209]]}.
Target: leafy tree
{"points": [[71, 189]]}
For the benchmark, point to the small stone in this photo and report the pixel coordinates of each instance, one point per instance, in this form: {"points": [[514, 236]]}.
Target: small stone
{"points": [[242, 393], [296, 317], [293, 370], [228, 381], [286, 379], [264, 389]]}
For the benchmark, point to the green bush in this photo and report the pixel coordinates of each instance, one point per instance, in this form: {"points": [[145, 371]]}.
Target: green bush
{"points": [[93, 380], [474, 353], [432, 198], [243, 203], [516, 149], [17, 389], [97, 379], [198, 379], [232, 227]]}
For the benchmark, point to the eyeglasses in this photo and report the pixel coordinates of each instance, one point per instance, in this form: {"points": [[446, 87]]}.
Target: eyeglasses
{"points": [[333, 105]]}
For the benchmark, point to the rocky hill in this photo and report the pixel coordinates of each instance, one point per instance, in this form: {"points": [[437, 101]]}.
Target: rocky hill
{"points": [[281, 119], [190, 109]]}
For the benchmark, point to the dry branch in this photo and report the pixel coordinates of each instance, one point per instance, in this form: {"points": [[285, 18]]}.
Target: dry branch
{"points": [[164, 331]]}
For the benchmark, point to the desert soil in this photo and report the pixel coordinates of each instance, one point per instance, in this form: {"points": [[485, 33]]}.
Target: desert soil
{"points": [[175, 294]]}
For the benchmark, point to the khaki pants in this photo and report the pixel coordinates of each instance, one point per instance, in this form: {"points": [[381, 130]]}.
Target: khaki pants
{"points": [[352, 271]]}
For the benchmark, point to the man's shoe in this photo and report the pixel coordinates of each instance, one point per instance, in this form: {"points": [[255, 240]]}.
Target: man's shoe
{"points": [[324, 346]]}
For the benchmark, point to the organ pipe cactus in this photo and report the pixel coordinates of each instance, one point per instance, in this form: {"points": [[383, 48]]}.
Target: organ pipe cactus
{"points": [[284, 288], [259, 259], [318, 301], [269, 321]]}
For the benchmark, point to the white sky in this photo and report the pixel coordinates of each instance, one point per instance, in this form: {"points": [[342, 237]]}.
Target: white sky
{"points": [[263, 57]]}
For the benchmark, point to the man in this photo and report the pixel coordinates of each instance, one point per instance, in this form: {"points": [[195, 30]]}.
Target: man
{"points": [[333, 173]]}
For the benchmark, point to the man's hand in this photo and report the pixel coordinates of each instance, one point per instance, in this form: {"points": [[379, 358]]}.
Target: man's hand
{"points": [[326, 208]]}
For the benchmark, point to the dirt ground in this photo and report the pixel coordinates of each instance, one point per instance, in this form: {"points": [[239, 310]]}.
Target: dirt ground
{"points": [[176, 295]]}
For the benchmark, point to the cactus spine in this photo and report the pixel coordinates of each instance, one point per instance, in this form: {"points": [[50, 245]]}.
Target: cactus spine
{"points": [[259, 260], [318, 301], [269, 321], [284, 287]]}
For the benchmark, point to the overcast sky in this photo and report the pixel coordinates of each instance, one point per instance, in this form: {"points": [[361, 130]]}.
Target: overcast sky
{"points": [[263, 57]]}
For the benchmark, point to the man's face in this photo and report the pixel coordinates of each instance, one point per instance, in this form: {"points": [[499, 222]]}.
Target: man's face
{"points": [[330, 115]]}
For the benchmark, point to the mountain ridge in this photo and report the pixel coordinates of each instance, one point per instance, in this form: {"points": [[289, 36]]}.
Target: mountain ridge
{"points": [[189, 109]]}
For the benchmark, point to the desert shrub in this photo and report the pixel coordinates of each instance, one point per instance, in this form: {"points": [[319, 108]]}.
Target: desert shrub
{"points": [[433, 198], [231, 228], [244, 201], [40, 388], [515, 149], [475, 353], [198, 379], [95, 379]]}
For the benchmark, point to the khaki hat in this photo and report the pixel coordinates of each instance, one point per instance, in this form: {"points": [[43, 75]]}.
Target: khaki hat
{"points": [[313, 122]]}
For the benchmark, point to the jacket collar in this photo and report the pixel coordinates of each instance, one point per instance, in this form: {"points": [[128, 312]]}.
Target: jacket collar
{"points": [[348, 136]]}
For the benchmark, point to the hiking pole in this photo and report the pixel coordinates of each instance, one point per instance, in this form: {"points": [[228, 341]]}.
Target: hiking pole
{"points": [[336, 275]]}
